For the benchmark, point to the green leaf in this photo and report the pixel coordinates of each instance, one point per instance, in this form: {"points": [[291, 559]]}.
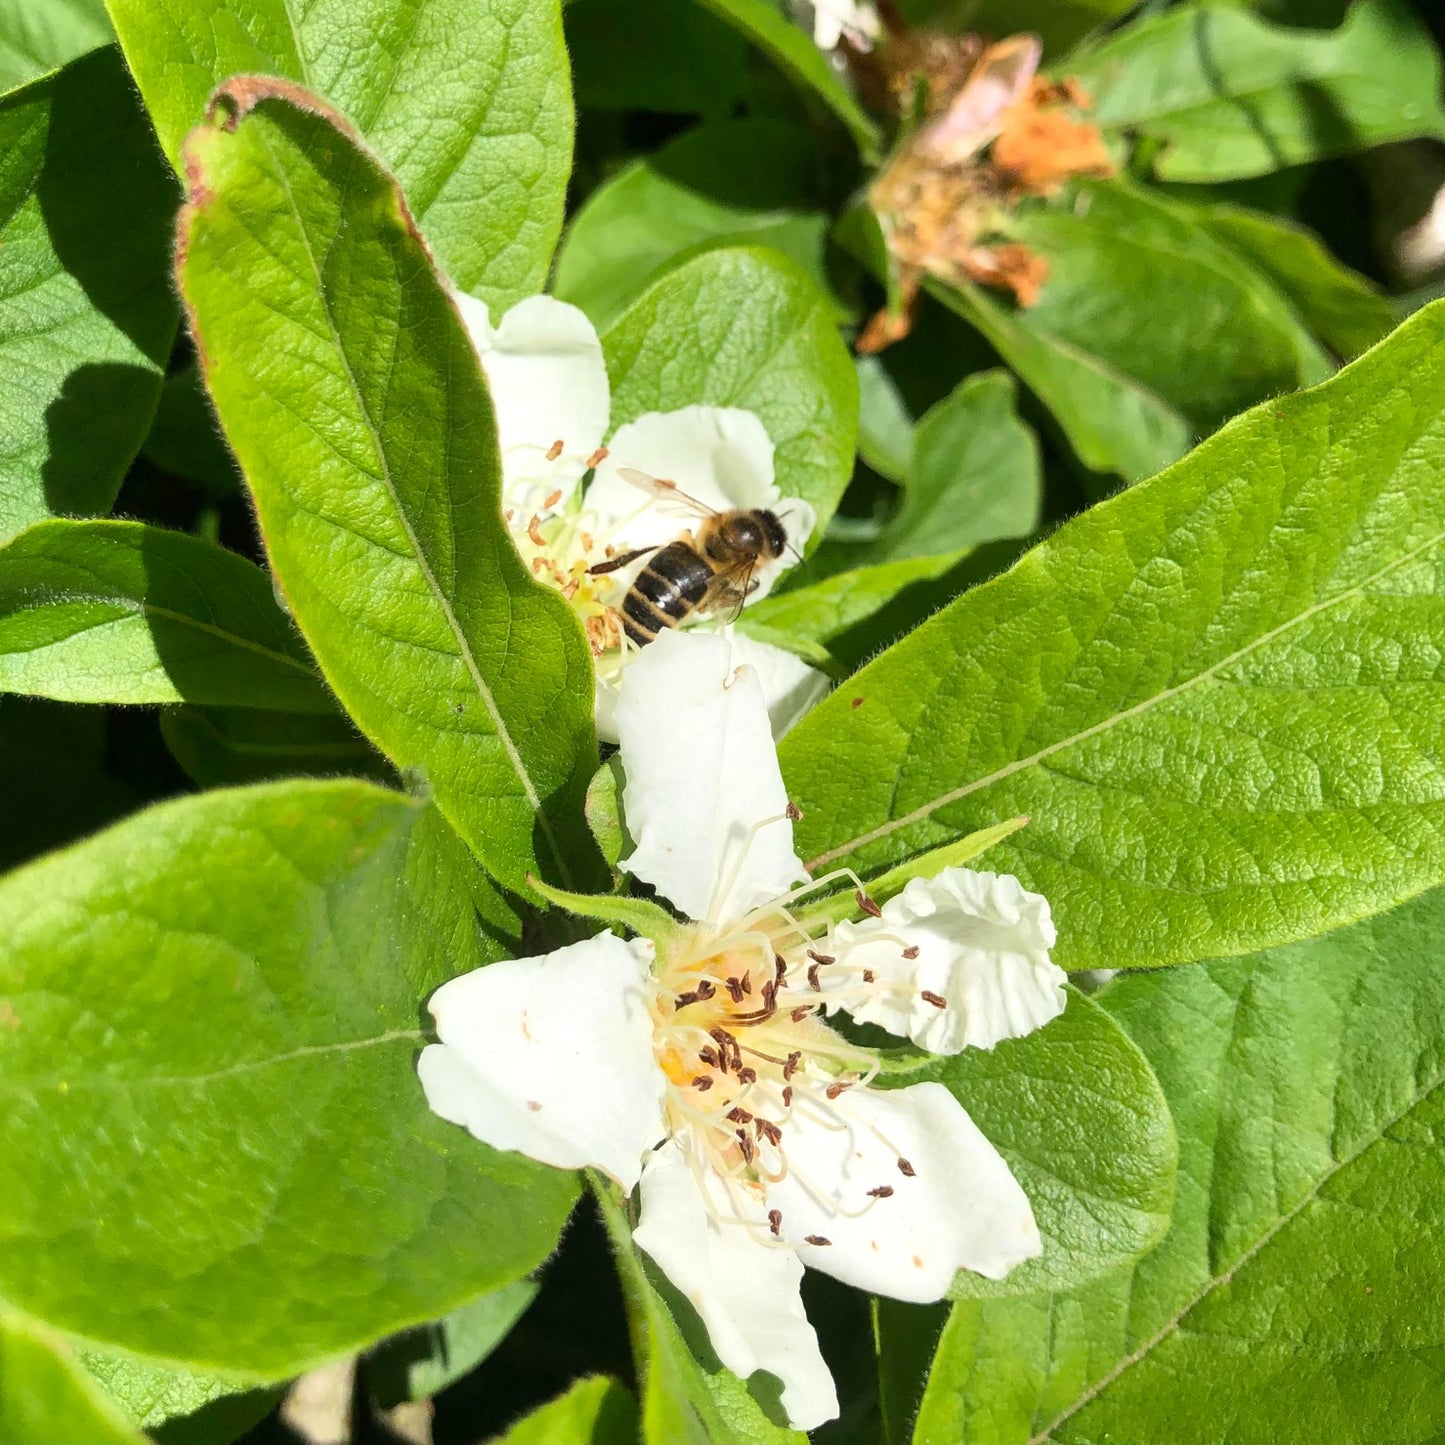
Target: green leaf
{"points": [[352, 396], [1216, 694], [1144, 287], [421, 1363], [1076, 1111], [738, 182], [185, 440], [604, 811], [595, 1411], [180, 1407], [218, 746], [1225, 95], [1289, 1301], [1343, 309], [824, 614], [87, 317], [688, 1398], [974, 475], [123, 612], [468, 101], [46, 1397], [641, 916], [744, 327], [1112, 423], [765, 24], [885, 425], [268, 1191], [40, 35]]}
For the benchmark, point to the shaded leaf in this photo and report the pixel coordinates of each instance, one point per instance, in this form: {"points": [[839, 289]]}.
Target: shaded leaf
{"points": [[764, 23], [178, 1407], [469, 102], [1224, 94], [1288, 1302], [87, 316], [744, 327], [738, 182], [1215, 694], [595, 1411], [123, 612], [269, 1191], [421, 1363], [355, 404], [1343, 309], [185, 439]]}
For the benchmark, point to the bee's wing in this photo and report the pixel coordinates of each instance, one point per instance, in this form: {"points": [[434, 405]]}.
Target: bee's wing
{"points": [[730, 587], [667, 493]]}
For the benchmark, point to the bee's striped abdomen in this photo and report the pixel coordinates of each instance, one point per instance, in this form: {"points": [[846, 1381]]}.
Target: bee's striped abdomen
{"points": [[667, 589]]}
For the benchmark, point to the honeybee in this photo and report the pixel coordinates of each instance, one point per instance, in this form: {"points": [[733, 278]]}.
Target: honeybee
{"points": [[704, 570]]}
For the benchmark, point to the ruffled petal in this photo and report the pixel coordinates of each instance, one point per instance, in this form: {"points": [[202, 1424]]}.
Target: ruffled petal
{"points": [[548, 382], [983, 947], [552, 1057], [745, 1291], [704, 797], [959, 1208], [790, 686]]}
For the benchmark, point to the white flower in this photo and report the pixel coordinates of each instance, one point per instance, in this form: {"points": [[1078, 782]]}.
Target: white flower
{"points": [[701, 1068], [548, 380], [835, 20]]}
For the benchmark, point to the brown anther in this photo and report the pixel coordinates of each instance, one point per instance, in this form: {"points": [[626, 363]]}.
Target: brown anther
{"points": [[867, 904], [555, 450], [813, 978], [906, 1169], [570, 590], [816, 1239], [780, 967], [597, 458], [791, 1067], [587, 542], [750, 1150], [787, 1096], [821, 957], [747, 983], [770, 994], [936, 999], [708, 1057], [539, 565], [702, 1083], [911, 952], [799, 1014], [551, 499], [883, 1191], [747, 1075], [735, 990], [740, 1116], [775, 1221], [769, 1131], [509, 514], [868, 975], [793, 813], [833, 1090]]}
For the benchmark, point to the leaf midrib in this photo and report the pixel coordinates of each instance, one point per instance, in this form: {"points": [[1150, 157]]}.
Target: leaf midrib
{"points": [[954, 795], [384, 476], [141, 607], [1224, 1277]]}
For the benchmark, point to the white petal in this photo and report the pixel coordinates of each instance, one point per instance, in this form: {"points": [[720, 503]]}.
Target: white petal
{"points": [[790, 686], [552, 1057], [719, 456], [548, 382], [744, 1290], [961, 1208], [704, 798], [983, 946]]}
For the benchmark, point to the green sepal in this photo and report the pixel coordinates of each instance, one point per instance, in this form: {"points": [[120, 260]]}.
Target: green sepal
{"points": [[640, 915]]}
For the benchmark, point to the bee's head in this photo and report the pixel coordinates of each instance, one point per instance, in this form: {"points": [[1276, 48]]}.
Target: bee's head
{"points": [[774, 535]]}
